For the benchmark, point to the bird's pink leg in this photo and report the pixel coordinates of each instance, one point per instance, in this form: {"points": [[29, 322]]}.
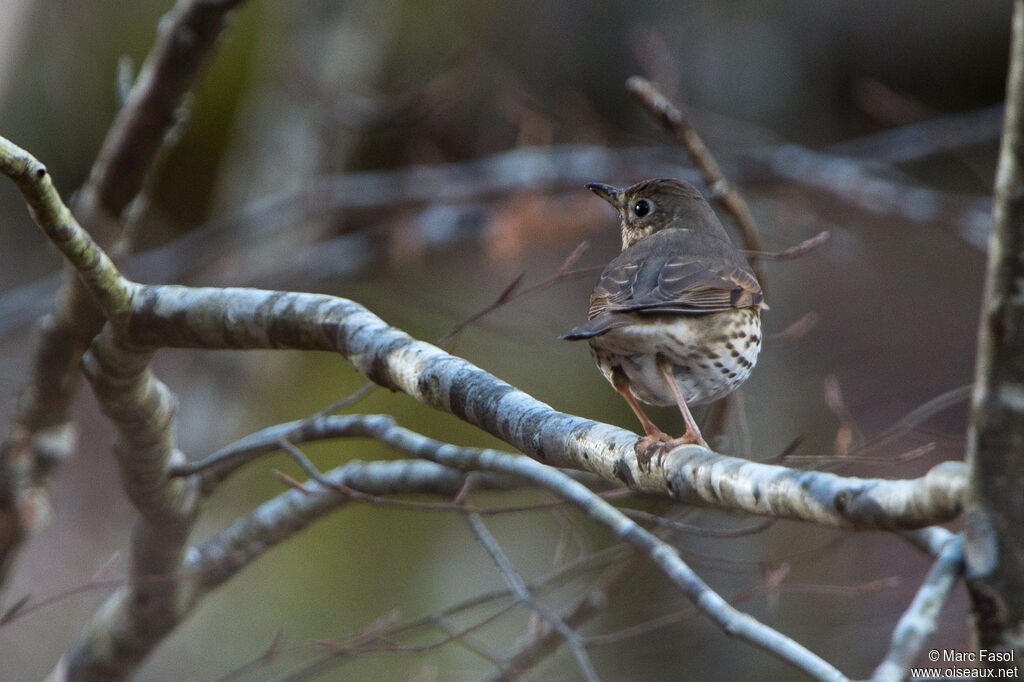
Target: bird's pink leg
{"points": [[692, 434], [653, 433]]}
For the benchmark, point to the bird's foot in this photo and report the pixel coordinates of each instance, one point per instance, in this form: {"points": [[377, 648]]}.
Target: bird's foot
{"points": [[657, 444], [650, 445], [646, 449], [686, 439]]}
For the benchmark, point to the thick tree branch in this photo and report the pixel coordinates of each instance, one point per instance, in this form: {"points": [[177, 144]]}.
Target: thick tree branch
{"points": [[173, 316], [249, 318], [995, 513], [138, 617]]}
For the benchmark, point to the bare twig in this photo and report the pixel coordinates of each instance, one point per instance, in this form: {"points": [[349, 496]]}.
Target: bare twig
{"points": [[513, 292], [792, 252], [704, 531], [272, 651], [609, 559], [537, 645], [523, 594], [921, 617], [796, 330], [672, 119], [912, 422]]}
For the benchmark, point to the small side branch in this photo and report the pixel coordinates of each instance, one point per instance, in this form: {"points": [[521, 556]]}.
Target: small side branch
{"points": [[691, 474], [919, 621], [523, 594], [92, 265]]}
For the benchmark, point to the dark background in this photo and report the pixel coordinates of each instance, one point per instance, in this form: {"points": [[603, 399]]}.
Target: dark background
{"points": [[299, 90]]}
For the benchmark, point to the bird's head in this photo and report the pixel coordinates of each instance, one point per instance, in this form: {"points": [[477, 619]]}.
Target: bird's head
{"points": [[653, 205]]}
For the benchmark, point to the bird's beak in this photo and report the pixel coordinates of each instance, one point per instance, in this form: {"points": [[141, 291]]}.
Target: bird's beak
{"points": [[613, 195]]}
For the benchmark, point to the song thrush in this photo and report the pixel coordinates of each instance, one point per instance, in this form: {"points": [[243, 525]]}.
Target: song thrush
{"points": [[675, 318]]}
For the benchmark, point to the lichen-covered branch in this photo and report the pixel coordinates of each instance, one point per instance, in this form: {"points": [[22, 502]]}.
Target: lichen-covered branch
{"points": [[662, 554], [90, 263], [138, 617], [250, 318], [41, 434], [921, 617], [994, 528]]}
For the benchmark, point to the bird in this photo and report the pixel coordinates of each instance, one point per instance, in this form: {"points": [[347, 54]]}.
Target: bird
{"points": [[675, 318]]}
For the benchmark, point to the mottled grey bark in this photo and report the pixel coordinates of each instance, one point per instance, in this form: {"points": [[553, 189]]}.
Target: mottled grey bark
{"points": [[995, 446]]}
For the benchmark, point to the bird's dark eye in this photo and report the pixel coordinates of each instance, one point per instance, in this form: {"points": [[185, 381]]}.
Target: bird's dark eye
{"points": [[642, 208]]}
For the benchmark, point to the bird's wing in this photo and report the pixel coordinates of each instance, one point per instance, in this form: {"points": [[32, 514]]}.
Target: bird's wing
{"points": [[677, 284]]}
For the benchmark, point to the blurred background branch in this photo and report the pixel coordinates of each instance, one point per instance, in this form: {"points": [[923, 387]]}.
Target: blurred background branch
{"points": [[426, 160]]}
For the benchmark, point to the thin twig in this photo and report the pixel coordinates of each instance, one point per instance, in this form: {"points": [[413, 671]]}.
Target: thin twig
{"points": [[557, 578], [272, 651], [671, 118], [348, 401], [518, 587], [848, 432], [795, 331], [510, 293], [796, 251], [680, 527]]}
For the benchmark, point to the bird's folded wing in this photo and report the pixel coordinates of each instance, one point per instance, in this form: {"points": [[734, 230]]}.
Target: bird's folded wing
{"points": [[681, 285]]}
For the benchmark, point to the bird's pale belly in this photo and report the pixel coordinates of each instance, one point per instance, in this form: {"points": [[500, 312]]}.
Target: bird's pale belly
{"points": [[711, 355]]}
